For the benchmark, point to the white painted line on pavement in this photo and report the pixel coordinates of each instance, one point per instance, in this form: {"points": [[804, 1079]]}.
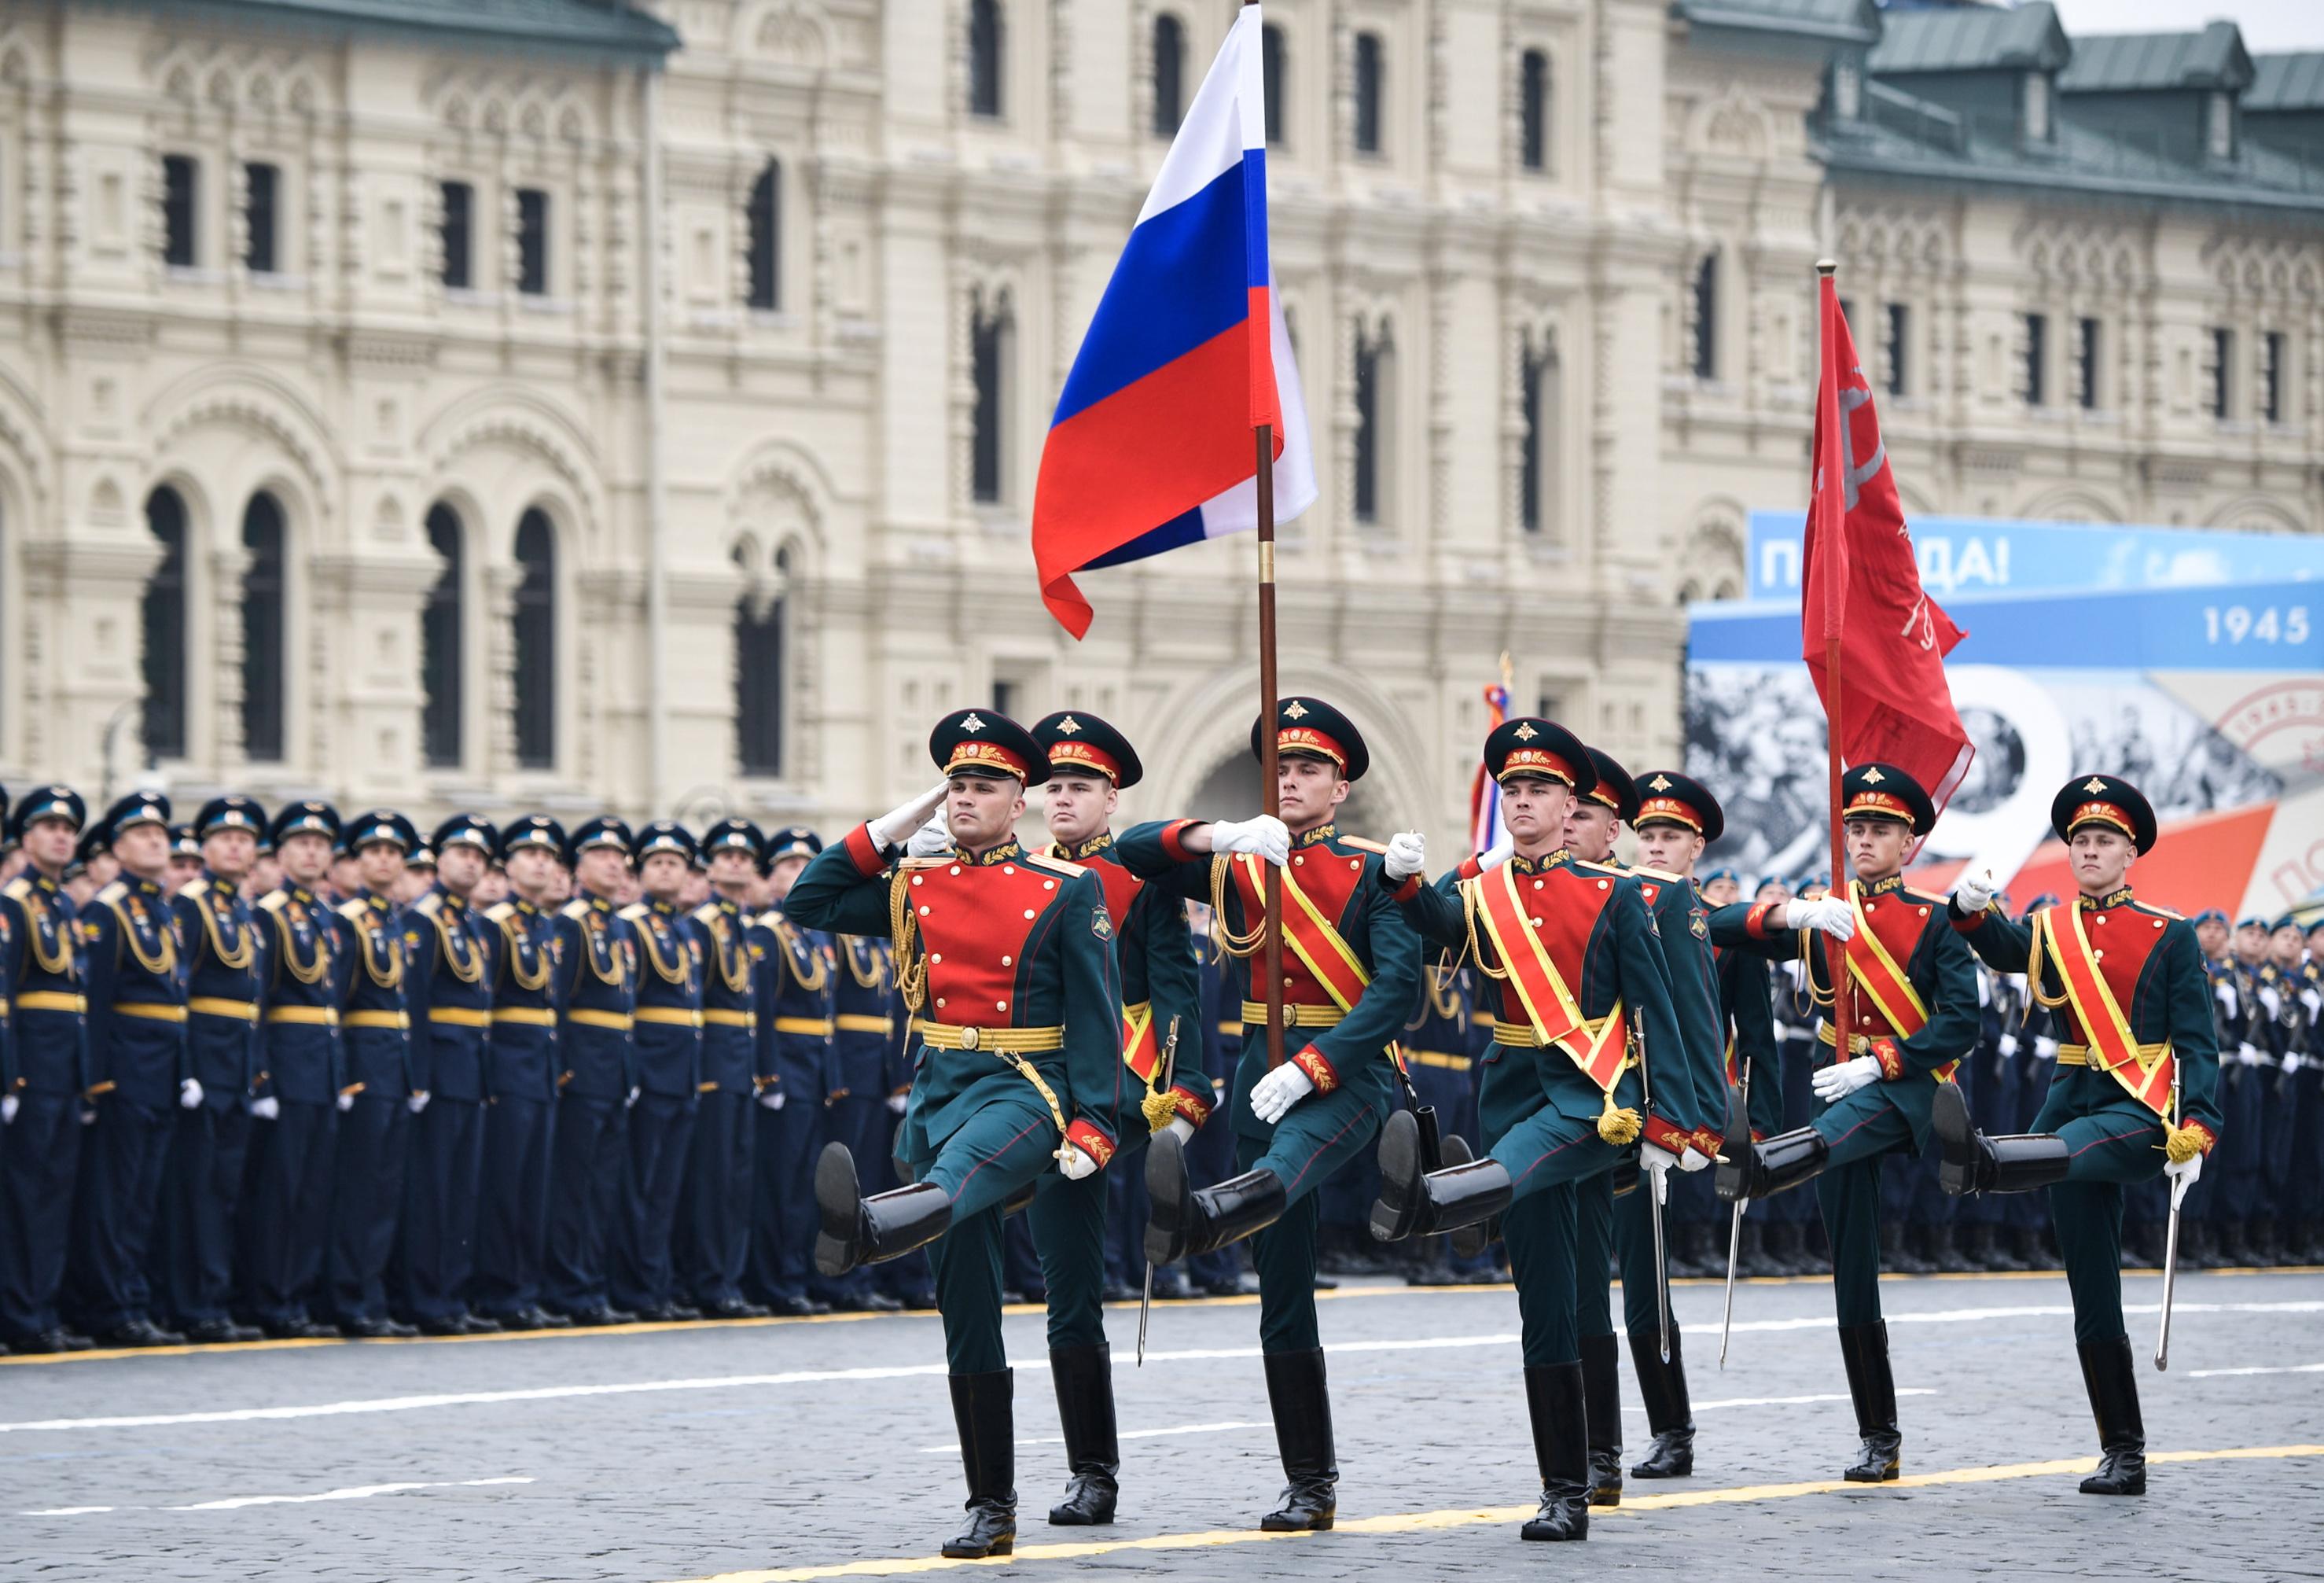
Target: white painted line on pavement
{"points": [[361, 1492], [65, 1512], [2296, 1368], [1128, 1434], [1783, 1400], [915, 1371]]}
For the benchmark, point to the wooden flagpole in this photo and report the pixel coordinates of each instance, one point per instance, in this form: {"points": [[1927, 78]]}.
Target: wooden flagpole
{"points": [[1271, 951]]}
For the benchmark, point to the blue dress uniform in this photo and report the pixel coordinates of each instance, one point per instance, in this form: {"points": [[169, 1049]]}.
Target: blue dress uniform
{"points": [[374, 1129], [2249, 1080], [46, 1046], [598, 968], [1576, 951], [1161, 991], [450, 991], [286, 1208], [864, 1035], [221, 946], [906, 1278], [141, 1079], [519, 1111], [668, 1038], [1351, 970], [1912, 1003], [1006, 958], [795, 1030], [714, 1214], [2137, 1085], [1210, 1155]]}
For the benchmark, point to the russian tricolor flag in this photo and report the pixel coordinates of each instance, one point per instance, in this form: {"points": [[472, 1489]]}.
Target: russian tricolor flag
{"points": [[1151, 447]]}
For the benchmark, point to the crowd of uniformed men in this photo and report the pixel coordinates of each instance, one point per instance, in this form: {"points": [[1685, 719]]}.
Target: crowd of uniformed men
{"points": [[310, 1077]]}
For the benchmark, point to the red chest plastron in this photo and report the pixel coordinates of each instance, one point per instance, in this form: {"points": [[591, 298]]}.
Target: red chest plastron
{"points": [[1563, 908], [1121, 886], [1899, 918], [973, 923], [2122, 938], [1328, 879]]}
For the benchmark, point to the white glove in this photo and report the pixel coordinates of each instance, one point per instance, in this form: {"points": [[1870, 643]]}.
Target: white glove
{"points": [[932, 840], [2293, 1062], [346, 1102], [88, 1116], [1274, 1095], [632, 1100], [1829, 914], [896, 1102], [1694, 1160], [2271, 1003], [2227, 995], [2247, 1053], [416, 1103], [898, 822], [1657, 1162], [1975, 892], [772, 1098], [1180, 1128], [1499, 853], [189, 1095], [1073, 1164], [2044, 1047], [1264, 838], [2312, 1001], [8, 1105], [267, 1109], [1408, 855], [1845, 1078], [2184, 1175], [2009, 1044]]}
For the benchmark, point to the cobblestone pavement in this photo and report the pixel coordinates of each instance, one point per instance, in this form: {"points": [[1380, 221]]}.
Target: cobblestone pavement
{"points": [[790, 1448]]}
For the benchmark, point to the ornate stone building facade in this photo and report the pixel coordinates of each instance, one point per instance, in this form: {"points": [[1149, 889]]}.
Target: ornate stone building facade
{"points": [[338, 455]]}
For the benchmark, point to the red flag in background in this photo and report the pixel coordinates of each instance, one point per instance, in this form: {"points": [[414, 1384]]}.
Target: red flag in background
{"points": [[1862, 590]]}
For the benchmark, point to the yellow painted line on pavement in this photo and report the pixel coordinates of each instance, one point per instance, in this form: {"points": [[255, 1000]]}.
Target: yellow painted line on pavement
{"points": [[1480, 1517]]}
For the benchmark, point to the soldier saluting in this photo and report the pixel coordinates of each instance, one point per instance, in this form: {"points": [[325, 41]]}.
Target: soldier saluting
{"points": [[1007, 958], [2136, 1090], [1352, 977]]}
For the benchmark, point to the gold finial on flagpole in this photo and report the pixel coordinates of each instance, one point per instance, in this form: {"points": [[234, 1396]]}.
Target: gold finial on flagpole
{"points": [[1826, 267]]}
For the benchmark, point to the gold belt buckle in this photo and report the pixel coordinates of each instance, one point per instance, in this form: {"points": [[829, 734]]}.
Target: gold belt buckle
{"points": [[968, 1039]]}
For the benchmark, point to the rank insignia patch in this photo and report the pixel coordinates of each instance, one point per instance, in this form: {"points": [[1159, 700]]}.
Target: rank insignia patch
{"points": [[1101, 924]]}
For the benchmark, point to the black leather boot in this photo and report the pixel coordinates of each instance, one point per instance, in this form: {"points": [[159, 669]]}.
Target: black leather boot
{"points": [[1301, 1405], [1601, 1397], [1970, 1162], [1864, 1348], [983, 1410], [1757, 1258], [2033, 1248], [1182, 1222], [1897, 1255], [857, 1230], [1787, 1248], [1939, 1249], [1554, 1398], [1755, 1171], [1670, 1416], [1085, 1381], [1416, 1203], [2111, 1378]]}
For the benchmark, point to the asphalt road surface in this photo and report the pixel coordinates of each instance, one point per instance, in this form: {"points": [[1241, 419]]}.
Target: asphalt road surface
{"points": [[819, 1448]]}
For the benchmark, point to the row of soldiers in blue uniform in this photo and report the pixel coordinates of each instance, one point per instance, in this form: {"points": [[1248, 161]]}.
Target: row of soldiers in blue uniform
{"points": [[322, 1110]]}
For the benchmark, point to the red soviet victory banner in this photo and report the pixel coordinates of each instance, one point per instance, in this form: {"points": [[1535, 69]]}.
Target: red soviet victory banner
{"points": [[1862, 600]]}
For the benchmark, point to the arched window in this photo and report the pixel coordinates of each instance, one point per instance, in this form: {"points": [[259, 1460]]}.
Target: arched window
{"points": [[1375, 394], [1169, 74], [758, 670], [985, 38], [765, 220], [1271, 79], [1706, 318], [164, 624], [992, 340], [263, 656], [536, 641], [1533, 105], [1369, 70], [442, 645], [1537, 370]]}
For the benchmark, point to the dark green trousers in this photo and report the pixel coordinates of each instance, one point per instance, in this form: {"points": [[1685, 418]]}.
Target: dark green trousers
{"points": [[1538, 1230], [1859, 1130], [1067, 1219], [2108, 1149], [1593, 1252], [1634, 1249], [1322, 1132], [988, 1161]]}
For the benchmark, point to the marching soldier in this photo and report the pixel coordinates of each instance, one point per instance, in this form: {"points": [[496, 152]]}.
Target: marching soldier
{"points": [[221, 947], [596, 960], [1912, 1003], [1575, 948], [141, 1076], [185, 858], [1090, 764], [301, 1080], [95, 867], [794, 1028], [375, 1036], [668, 1040], [450, 992], [1352, 977], [1618, 1230], [47, 1051], [2137, 1078], [1006, 958], [714, 1240], [519, 1111]]}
